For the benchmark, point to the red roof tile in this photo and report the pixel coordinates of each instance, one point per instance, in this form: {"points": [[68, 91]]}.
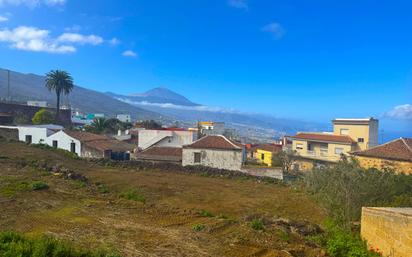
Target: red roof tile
{"points": [[324, 137], [161, 154], [85, 136], [400, 149], [215, 142]]}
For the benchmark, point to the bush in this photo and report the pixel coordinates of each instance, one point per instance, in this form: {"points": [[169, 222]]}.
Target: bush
{"points": [[205, 213], [257, 224], [14, 244], [39, 185], [198, 227], [43, 117], [345, 188], [132, 194]]}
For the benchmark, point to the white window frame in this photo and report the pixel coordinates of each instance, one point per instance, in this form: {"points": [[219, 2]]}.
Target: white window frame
{"points": [[341, 150], [344, 129]]}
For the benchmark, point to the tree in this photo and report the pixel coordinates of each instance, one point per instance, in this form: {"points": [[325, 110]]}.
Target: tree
{"points": [[99, 125], [43, 117], [148, 124], [285, 159], [21, 119], [60, 82]]}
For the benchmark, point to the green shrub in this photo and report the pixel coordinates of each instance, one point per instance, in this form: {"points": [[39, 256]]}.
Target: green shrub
{"points": [[205, 213], [12, 187], [132, 194], [257, 224], [284, 236], [43, 116], [102, 188], [14, 244], [198, 227], [39, 185]]}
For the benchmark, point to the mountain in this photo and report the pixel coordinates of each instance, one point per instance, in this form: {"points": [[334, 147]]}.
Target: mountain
{"points": [[157, 95], [25, 87]]}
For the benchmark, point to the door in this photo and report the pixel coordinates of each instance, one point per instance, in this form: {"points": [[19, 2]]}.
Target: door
{"points": [[28, 139], [73, 147], [54, 143]]}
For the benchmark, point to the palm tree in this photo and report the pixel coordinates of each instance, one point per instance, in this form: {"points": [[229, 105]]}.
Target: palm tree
{"points": [[60, 82], [99, 125]]}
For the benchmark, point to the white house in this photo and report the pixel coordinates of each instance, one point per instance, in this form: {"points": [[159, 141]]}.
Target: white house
{"points": [[168, 137], [35, 134], [37, 103], [124, 117], [214, 151]]}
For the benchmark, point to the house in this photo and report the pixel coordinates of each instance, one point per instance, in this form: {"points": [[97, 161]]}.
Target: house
{"points": [[124, 117], [34, 134], [37, 103], [264, 153], [214, 151], [89, 145], [167, 137], [327, 147], [161, 154], [211, 128], [396, 155]]}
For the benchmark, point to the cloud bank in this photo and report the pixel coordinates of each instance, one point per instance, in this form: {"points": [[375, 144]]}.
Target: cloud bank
{"points": [[129, 53], [39, 40], [33, 3], [400, 112], [274, 29]]}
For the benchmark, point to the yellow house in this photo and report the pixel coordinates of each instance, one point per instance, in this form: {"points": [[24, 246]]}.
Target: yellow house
{"points": [[395, 155], [348, 135], [264, 153]]}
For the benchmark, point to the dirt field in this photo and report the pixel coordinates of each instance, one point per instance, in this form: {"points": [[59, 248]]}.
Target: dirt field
{"points": [[167, 214]]}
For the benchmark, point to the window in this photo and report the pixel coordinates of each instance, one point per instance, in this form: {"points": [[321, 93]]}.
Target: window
{"points": [[338, 150], [361, 140], [344, 131], [28, 139], [55, 143], [197, 157], [262, 157], [299, 146], [73, 147]]}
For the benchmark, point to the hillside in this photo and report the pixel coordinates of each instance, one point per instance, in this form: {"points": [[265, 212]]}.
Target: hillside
{"points": [[151, 212], [31, 87]]}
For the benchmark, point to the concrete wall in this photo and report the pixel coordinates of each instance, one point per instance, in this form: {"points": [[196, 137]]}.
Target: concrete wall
{"points": [[221, 159], [388, 229], [165, 138], [368, 131], [264, 157], [397, 166], [316, 153], [64, 142]]}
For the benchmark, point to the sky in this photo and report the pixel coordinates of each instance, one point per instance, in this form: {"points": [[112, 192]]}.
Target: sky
{"points": [[309, 60]]}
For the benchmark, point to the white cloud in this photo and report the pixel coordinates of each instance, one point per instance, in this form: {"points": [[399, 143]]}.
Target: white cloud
{"points": [[400, 112], [129, 53], [275, 29], [114, 41], [33, 3], [240, 4], [39, 40], [80, 39], [3, 18]]}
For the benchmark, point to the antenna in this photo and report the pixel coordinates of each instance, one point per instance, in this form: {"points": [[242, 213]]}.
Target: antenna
{"points": [[8, 85]]}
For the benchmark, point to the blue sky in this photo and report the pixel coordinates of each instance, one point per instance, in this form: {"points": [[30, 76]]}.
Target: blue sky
{"points": [[311, 60]]}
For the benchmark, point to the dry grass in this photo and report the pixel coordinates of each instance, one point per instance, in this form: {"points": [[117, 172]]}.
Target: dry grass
{"points": [[162, 224]]}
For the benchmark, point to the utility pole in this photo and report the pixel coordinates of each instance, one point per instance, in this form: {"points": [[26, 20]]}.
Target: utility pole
{"points": [[8, 85]]}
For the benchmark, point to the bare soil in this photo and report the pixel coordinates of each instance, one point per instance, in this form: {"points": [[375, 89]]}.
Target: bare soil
{"points": [[91, 214]]}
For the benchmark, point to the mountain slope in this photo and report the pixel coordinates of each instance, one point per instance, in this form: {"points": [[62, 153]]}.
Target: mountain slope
{"points": [[31, 87], [157, 95]]}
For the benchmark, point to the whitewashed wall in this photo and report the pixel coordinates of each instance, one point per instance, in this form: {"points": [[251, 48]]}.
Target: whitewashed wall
{"points": [[64, 142], [165, 138], [221, 159]]}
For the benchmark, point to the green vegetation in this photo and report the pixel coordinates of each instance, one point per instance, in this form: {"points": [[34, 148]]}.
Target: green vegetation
{"points": [[13, 244], [61, 82], [257, 224], [284, 236], [198, 227], [148, 124], [102, 125], [102, 188], [39, 185], [205, 213], [284, 159], [57, 150], [132, 194], [43, 117]]}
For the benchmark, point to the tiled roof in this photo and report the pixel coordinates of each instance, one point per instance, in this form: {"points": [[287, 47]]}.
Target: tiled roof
{"points": [[400, 149], [324, 137], [85, 136], [215, 142], [161, 154], [268, 147]]}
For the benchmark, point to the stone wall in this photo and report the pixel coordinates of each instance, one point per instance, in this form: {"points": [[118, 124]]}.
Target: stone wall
{"points": [[388, 229], [397, 166], [219, 159]]}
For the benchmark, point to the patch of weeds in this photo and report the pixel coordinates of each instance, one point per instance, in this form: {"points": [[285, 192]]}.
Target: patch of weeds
{"points": [[257, 224], [133, 195], [11, 188], [102, 188], [222, 216], [4, 157], [284, 236], [79, 184], [38, 185], [198, 227], [205, 213]]}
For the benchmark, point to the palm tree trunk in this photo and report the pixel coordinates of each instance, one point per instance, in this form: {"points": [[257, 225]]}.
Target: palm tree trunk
{"points": [[58, 106]]}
